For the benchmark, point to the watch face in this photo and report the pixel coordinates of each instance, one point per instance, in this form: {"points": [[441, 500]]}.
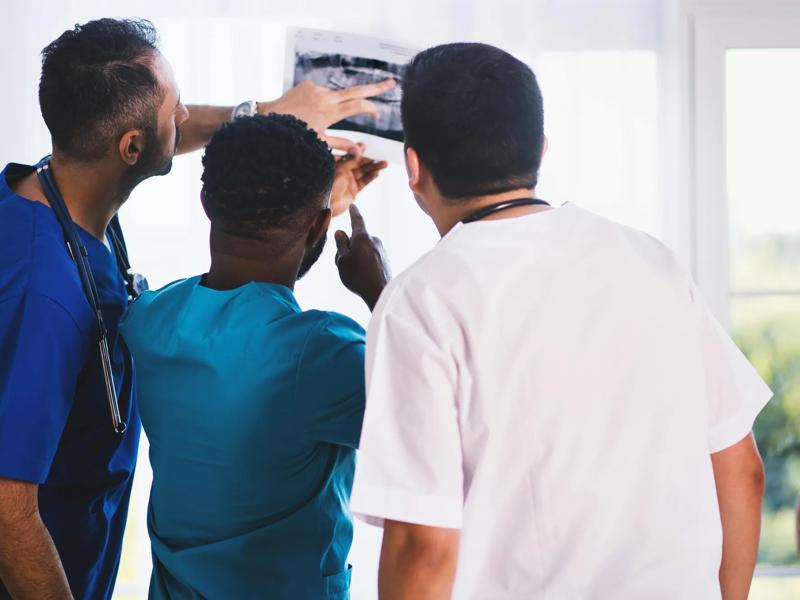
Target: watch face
{"points": [[245, 109]]}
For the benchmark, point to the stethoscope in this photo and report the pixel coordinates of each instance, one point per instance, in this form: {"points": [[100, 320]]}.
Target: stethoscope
{"points": [[135, 284], [505, 205]]}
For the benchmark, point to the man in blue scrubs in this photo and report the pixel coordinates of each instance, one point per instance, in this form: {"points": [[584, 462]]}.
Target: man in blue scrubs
{"points": [[252, 406], [114, 112]]}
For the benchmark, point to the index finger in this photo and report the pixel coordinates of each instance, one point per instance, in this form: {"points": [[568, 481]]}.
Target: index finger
{"points": [[357, 221], [367, 90]]}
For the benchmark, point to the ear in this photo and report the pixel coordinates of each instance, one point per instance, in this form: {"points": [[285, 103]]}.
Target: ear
{"points": [[545, 146], [131, 146], [413, 168], [319, 226]]}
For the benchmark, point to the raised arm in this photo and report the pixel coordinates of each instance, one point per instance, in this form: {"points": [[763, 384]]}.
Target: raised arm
{"points": [[739, 477], [318, 106], [30, 567]]}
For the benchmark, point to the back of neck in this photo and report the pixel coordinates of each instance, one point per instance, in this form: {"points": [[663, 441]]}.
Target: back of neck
{"points": [[237, 261]]}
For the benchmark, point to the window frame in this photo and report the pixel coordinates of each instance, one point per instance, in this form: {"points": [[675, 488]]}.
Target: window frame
{"points": [[711, 28]]}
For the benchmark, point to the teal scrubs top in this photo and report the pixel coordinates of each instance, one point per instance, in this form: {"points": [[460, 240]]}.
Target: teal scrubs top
{"points": [[253, 410]]}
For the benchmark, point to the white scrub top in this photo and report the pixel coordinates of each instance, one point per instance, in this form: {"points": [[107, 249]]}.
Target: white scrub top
{"points": [[553, 385]]}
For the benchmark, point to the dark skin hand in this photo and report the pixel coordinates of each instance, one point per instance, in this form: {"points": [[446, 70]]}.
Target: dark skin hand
{"points": [[361, 260]]}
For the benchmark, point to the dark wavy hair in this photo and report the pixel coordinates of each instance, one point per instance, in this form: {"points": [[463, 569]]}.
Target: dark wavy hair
{"points": [[98, 82], [474, 115], [265, 173]]}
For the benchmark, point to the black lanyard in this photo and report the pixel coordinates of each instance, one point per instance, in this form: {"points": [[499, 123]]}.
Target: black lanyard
{"points": [[81, 257], [505, 205]]}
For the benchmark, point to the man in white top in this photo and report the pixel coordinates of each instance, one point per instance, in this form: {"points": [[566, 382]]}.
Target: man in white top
{"points": [[552, 411]]}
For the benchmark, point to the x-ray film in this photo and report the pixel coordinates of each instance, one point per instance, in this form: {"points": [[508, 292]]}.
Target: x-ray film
{"points": [[340, 60]]}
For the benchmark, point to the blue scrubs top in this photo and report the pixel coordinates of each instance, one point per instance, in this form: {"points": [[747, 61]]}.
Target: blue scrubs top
{"points": [[55, 424], [253, 410]]}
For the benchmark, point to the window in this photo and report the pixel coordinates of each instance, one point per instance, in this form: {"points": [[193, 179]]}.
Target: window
{"points": [[747, 252], [762, 127]]}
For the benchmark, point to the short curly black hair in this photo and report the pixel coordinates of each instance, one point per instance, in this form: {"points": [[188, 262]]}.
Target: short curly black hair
{"points": [[264, 173], [97, 82]]}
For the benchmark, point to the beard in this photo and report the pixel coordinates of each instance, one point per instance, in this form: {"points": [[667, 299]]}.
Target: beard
{"points": [[312, 256], [154, 162]]}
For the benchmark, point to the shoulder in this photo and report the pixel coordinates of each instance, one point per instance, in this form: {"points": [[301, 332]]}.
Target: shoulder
{"points": [[427, 291], [149, 299], [657, 259], [35, 263], [334, 342], [636, 240], [641, 254], [37, 316], [331, 328], [153, 312]]}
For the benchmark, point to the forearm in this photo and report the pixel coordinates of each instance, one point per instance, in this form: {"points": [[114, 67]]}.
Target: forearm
{"points": [[203, 121], [30, 567], [409, 577], [372, 296], [417, 563], [739, 478], [741, 526]]}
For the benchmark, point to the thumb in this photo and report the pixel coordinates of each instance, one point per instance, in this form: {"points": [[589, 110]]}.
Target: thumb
{"points": [[343, 144]]}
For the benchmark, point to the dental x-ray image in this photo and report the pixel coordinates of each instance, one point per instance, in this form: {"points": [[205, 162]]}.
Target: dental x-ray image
{"points": [[339, 71], [338, 60]]}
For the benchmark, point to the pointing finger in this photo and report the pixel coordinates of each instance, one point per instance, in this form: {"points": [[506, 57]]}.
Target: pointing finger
{"points": [[342, 244], [357, 221], [369, 90]]}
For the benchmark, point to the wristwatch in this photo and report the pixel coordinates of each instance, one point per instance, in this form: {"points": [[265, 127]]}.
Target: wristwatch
{"points": [[248, 108]]}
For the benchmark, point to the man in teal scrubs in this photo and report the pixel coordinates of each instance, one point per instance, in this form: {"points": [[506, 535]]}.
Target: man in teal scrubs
{"points": [[252, 406]]}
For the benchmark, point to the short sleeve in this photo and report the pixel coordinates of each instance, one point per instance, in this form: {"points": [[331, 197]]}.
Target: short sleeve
{"points": [[42, 352], [735, 391], [410, 465], [330, 382]]}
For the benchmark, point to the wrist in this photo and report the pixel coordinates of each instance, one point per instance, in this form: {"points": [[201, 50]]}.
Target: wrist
{"points": [[264, 108], [372, 295], [248, 108]]}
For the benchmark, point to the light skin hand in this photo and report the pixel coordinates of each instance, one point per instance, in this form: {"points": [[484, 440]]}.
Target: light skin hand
{"points": [[30, 567], [417, 562], [321, 107], [361, 260], [739, 478], [353, 174], [318, 106]]}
